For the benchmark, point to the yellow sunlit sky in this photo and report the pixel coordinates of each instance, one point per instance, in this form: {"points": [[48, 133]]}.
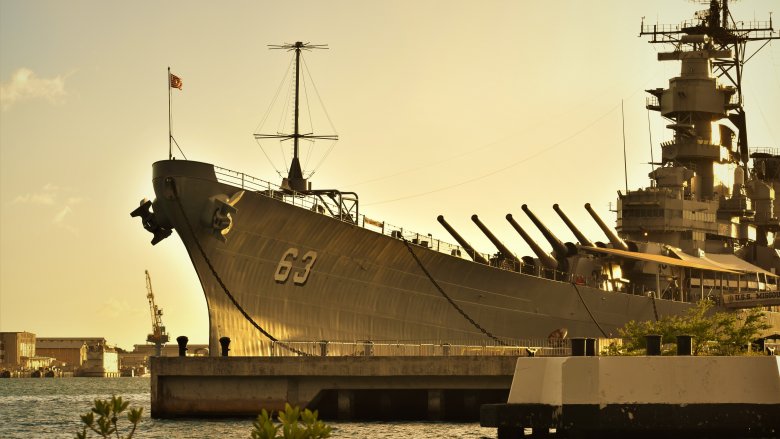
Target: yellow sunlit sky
{"points": [[442, 107]]}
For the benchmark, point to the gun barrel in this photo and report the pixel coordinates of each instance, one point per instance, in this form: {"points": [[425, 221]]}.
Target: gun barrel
{"points": [[463, 243], [613, 238], [577, 234], [499, 245], [559, 249], [547, 260]]}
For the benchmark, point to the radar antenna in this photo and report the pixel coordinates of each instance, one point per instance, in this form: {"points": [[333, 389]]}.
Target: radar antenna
{"points": [[295, 180]]}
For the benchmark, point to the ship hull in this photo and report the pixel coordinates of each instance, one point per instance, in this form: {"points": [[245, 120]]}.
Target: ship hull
{"points": [[305, 276]]}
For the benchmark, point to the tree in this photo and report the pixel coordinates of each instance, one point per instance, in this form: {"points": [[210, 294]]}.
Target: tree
{"points": [[697, 322], [108, 412], [730, 330], [736, 331]]}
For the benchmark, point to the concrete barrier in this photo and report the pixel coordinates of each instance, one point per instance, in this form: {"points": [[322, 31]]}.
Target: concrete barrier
{"points": [[712, 396]]}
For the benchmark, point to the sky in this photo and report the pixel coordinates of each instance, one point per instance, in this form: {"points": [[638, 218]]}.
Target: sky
{"points": [[441, 107]]}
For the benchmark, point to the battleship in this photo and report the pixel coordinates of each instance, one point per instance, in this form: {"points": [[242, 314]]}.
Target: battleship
{"points": [[292, 263]]}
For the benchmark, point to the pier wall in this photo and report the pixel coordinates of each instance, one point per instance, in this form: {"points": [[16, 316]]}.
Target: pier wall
{"points": [[340, 387], [638, 396]]}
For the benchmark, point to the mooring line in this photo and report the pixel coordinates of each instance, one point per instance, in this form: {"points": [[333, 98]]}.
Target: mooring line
{"points": [[452, 302], [588, 310], [222, 284], [655, 310]]}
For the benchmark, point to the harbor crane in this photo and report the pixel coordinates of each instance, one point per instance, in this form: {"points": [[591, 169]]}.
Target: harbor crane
{"points": [[158, 336]]}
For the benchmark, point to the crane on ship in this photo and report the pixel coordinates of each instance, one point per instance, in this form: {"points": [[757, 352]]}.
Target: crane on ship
{"points": [[158, 336]]}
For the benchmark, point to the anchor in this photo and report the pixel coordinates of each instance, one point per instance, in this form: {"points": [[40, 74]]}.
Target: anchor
{"points": [[218, 214], [151, 222]]}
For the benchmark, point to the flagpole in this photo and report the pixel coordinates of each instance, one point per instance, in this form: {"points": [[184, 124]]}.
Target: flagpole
{"points": [[170, 154]]}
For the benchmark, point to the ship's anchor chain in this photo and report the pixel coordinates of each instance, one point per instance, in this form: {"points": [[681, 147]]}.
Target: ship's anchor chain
{"points": [[588, 310], [222, 284], [452, 302]]}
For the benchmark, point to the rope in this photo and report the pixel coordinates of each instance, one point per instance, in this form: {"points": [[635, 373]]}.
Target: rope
{"points": [[588, 310], [655, 310], [225, 288], [452, 302]]}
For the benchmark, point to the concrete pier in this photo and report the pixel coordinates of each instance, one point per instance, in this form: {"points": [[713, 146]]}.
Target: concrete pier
{"points": [[653, 397], [364, 387]]}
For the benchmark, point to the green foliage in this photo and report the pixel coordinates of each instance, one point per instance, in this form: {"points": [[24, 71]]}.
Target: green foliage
{"points": [[737, 331], [729, 331], [294, 424], [108, 412]]}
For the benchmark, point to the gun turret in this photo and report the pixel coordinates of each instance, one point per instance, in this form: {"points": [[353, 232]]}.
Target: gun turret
{"points": [[499, 245], [560, 251], [547, 260], [577, 234], [613, 238], [466, 246]]}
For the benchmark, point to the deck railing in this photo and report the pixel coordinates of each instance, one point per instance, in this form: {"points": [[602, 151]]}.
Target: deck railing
{"points": [[519, 347], [313, 203]]}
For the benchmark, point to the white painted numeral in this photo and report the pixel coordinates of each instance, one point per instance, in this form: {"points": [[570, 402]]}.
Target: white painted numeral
{"points": [[309, 258], [285, 266]]}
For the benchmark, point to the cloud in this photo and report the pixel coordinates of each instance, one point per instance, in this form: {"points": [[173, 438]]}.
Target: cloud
{"points": [[40, 198], [114, 308], [62, 214], [61, 219], [45, 196], [25, 85], [53, 198]]}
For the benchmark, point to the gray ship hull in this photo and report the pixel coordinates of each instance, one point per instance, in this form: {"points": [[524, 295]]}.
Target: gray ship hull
{"points": [[305, 276]]}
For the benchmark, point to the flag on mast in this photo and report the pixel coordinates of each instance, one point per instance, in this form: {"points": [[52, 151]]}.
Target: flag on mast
{"points": [[175, 81]]}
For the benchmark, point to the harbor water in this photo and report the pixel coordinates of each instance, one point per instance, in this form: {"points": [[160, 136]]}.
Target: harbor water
{"points": [[50, 408]]}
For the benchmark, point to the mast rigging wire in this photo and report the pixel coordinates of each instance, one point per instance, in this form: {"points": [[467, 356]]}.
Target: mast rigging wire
{"points": [[503, 168], [268, 113], [327, 116], [655, 74]]}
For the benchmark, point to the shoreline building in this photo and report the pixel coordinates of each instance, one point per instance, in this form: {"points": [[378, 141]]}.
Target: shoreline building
{"points": [[16, 349], [84, 356], [69, 353]]}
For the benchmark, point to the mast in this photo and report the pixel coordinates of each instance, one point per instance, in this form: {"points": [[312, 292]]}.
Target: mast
{"points": [[298, 46], [725, 41], [705, 198], [295, 180]]}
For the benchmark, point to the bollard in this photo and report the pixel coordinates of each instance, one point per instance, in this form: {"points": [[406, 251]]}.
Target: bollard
{"points": [[590, 347], [684, 345], [531, 352], [182, 341], [224, 342], [578, 347], [323, 348], [445, 349], [368, 348], [653, 344]]}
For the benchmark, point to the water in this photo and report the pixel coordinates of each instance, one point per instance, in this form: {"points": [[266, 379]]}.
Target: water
{"points": [[50, 408]]}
